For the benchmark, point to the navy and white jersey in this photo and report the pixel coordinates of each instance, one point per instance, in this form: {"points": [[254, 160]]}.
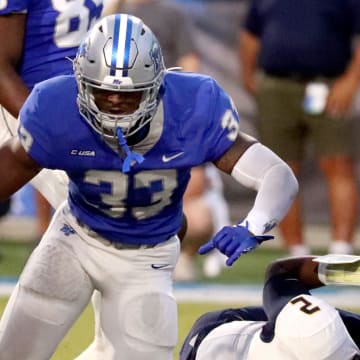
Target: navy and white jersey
{"points": [[54, 30], [246, 331], [196, 122]]}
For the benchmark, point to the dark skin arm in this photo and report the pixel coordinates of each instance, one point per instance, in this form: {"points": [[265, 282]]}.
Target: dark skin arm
{"points": [[227, 161], [16, 167], [302, 268], [13, 91]]}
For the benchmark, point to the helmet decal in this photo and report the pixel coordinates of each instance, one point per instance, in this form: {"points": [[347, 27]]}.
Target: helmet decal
{"points": [[82, 48], [156, 56]]}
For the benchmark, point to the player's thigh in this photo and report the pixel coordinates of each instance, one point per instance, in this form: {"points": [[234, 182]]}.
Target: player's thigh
{"points": [[279, 119], [332, 136], [52, 291], [55, 272], [139, 317]]}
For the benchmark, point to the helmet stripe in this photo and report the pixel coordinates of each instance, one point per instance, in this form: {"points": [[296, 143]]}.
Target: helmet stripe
{"points": [[121, 45], [127, 46], [114, 56]]}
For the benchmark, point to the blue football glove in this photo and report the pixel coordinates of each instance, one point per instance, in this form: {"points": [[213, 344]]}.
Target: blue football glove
{"points": [[233, 241]]}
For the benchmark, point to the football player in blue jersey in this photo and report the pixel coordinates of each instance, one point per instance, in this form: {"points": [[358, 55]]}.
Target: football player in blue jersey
{"points": [[293, 323], [127, 133], [37, 39]]}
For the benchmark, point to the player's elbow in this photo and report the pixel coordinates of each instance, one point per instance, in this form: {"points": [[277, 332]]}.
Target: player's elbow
{"points": [[291, 185]]}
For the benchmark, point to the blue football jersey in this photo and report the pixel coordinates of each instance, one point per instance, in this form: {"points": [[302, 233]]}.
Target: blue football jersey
{"points": [[54, 30], [196, 122]]}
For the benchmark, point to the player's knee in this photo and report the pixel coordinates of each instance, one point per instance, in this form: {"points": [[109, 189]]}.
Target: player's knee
{"points": [[151, 323]]}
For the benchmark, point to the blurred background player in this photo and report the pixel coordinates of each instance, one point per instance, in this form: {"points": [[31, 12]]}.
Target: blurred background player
{"points": [[297, 60], [171, 25], [207, 211], [38, 39], [204, 204], [291, 324]]}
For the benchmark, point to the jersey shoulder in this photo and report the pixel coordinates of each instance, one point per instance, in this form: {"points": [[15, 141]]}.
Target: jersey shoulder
{"points": [[192, 90], [189, 80], [14, 6], [200, 112], [52, 103], [56, 85]]}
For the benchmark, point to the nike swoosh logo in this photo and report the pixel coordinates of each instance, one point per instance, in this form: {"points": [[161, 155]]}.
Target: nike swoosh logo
{"points": [[160, 266], [171, 157]]}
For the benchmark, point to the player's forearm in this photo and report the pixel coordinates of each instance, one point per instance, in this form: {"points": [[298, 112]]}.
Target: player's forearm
{"points": [[301, 268], [16, 168], [262, 170], [13, 91]]}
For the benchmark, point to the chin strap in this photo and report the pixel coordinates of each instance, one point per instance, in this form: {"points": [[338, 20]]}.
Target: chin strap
{"points": [[130, 156]]}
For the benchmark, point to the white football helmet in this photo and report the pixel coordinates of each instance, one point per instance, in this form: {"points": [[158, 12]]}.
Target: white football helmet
{"points": [[120, 53]]}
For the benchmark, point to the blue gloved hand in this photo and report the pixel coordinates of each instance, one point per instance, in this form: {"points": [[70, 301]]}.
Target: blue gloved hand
{"points": [[233, 241]]}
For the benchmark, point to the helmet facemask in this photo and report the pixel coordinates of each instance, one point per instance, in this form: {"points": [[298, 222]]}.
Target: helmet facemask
{"points": [[106, 123]]}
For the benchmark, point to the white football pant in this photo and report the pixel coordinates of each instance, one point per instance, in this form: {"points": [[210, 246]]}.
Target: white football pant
{"points": [[138, 312]]}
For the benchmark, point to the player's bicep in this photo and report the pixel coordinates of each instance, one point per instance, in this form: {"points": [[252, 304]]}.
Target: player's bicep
{"points": [[13, 91], [12, 30], [228, 160], [16, 167]]}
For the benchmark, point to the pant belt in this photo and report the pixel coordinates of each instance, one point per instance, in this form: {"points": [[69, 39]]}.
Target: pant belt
{"points": [[115, 244]]}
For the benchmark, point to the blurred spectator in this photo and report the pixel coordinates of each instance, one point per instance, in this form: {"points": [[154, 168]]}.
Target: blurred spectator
{"points": [[308, 75], [173, 28], [207, 212], [170, 24]]}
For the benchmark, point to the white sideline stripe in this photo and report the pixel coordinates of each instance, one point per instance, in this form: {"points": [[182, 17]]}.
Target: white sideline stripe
{"points": [[238, 294], [6, 288], [340, 296], [242, 294]]}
